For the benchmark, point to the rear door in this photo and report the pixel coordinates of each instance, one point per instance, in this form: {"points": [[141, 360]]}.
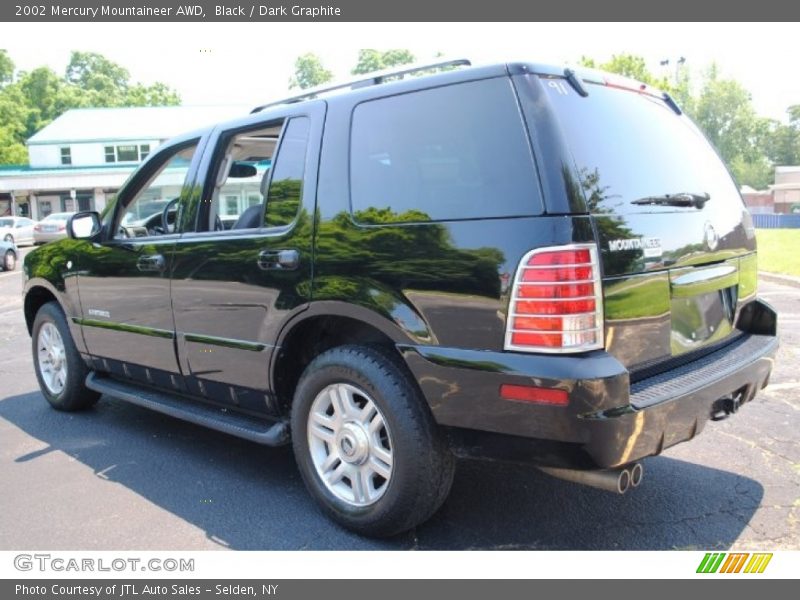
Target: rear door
{"points": [[677, 245], [247, 266]]}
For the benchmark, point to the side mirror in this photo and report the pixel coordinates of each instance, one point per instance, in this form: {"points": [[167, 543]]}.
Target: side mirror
{"points": [[84, 225]]}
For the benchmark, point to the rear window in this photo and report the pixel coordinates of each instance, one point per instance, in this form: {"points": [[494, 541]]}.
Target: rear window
{"points": [[455, 152], [630, 146]]}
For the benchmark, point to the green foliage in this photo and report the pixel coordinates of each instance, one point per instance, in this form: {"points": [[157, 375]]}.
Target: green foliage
{"points": [[370, 60], [6, 68], [309, 72], [758, 173], [33, 99], [783, 145], [628, 65], [92, 71]]}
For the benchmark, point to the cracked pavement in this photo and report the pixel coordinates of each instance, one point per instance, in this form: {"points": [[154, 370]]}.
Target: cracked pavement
{"points": [[119, 477]]}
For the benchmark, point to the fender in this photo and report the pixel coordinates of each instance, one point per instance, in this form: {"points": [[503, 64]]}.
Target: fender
{"points": [[70, 306], [373, 304]]}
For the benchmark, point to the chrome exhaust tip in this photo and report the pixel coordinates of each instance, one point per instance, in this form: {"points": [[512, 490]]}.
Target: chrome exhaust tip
{"points": [[637, 473], [617, 481]]}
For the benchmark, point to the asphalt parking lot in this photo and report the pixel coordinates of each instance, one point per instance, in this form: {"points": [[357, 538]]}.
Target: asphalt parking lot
{"points": [[121, 478]]}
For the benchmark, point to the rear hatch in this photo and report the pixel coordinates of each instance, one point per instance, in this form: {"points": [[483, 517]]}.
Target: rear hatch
{"points": [[676, 243]]}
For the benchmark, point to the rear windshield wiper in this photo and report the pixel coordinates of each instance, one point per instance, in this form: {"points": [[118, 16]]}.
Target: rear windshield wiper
{"points": [[680, 199]]}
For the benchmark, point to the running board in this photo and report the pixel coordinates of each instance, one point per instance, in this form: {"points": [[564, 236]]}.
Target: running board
{"points": [[241, 426]]}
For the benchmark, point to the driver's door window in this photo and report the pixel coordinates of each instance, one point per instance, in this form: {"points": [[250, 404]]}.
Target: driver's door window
{"points": [[153, 210]]}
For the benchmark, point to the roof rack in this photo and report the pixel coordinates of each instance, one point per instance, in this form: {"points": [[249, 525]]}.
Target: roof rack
{"points": [[367, 80]]}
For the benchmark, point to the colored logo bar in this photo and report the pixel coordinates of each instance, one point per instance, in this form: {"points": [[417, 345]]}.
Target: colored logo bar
{"points": [[734, 562]]}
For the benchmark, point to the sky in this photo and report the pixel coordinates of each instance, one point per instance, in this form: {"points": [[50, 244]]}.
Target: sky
{"points": [[251, 63]]}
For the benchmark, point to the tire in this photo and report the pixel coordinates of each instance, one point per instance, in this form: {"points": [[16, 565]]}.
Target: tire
{"points": [[9, 260], [409, 467], [59, 367]]}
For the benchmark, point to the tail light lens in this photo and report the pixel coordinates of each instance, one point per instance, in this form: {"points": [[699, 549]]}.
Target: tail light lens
{"points": [[62, 227], [556, 302], [37, 227]]}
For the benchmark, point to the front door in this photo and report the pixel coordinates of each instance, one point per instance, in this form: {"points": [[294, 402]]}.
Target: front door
{"points": [[247, 267], [123, 281]]}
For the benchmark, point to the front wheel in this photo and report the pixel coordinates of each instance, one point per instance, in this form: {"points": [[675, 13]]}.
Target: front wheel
{"points": [[59, 367], [366, 444], [9, 260]]}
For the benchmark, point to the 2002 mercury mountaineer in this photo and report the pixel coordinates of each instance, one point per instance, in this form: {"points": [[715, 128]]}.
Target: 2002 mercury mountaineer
{"points": [[515, 262]]}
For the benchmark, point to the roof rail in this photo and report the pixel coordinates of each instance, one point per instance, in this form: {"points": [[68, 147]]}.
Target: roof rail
{"points": [[366, 80]]}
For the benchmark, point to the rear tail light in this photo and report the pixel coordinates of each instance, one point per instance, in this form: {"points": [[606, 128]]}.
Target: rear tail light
{"points": [[62, 227], [556, 303], [37, 227]]}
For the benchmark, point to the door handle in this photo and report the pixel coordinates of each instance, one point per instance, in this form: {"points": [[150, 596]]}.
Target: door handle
{"points": [[278, 260], [154, 262]]}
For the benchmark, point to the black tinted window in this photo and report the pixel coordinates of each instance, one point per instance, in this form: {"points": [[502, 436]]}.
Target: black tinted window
{"points": [[456, 152], [630, 146], [286, 187]]}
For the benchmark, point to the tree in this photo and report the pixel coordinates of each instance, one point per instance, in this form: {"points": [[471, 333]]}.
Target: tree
{"points": [[6, 68], [92, 71], [783, 144], [370, 60], [37, 97], [724, 111], [635, 67], [309, 72], [628, 65]]}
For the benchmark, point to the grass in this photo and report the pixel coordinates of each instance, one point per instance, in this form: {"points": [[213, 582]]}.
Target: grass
{"points": [[779, 250]]}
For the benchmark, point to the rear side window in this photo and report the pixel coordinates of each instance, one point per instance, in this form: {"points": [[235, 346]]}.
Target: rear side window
{"points": [[456, 152]]}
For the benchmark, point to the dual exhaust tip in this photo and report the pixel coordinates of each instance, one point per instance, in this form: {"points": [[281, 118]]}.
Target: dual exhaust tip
{"points": [[617, 481]]}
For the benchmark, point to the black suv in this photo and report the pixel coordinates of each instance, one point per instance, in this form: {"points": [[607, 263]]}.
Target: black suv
{"points": [[514, 262]]}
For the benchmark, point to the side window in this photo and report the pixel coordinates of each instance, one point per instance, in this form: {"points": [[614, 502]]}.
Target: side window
{"points": [[455, 152], [143, 215], [286, 187], [259, 177]]}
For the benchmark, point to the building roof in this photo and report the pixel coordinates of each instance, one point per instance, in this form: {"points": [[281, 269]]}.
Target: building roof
{"points": [[135, 123]]}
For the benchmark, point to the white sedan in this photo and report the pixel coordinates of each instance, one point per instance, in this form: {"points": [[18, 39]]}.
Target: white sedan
{"points": [[17, 230]]}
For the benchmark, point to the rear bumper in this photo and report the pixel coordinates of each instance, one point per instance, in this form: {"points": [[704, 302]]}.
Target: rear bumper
{"points": [[608, 421]]}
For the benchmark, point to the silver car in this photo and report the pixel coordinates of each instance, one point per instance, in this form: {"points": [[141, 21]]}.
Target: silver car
{"points": [[17, 230], [52, 227]]}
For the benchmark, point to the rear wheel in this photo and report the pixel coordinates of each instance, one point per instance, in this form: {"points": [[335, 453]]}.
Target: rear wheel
{"points": [[366, 445], [9, 260], [59, 367]]}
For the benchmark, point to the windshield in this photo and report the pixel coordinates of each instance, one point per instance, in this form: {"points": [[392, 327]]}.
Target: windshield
{"points": [[634, 154]]}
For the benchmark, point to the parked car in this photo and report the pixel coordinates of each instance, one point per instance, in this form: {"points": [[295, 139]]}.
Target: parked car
{"points": [[52, 227], [511, 262], [8, 256], [18, 230]]}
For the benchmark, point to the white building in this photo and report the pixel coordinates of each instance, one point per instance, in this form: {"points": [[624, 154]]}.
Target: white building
{"points": [[85, 155]]}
